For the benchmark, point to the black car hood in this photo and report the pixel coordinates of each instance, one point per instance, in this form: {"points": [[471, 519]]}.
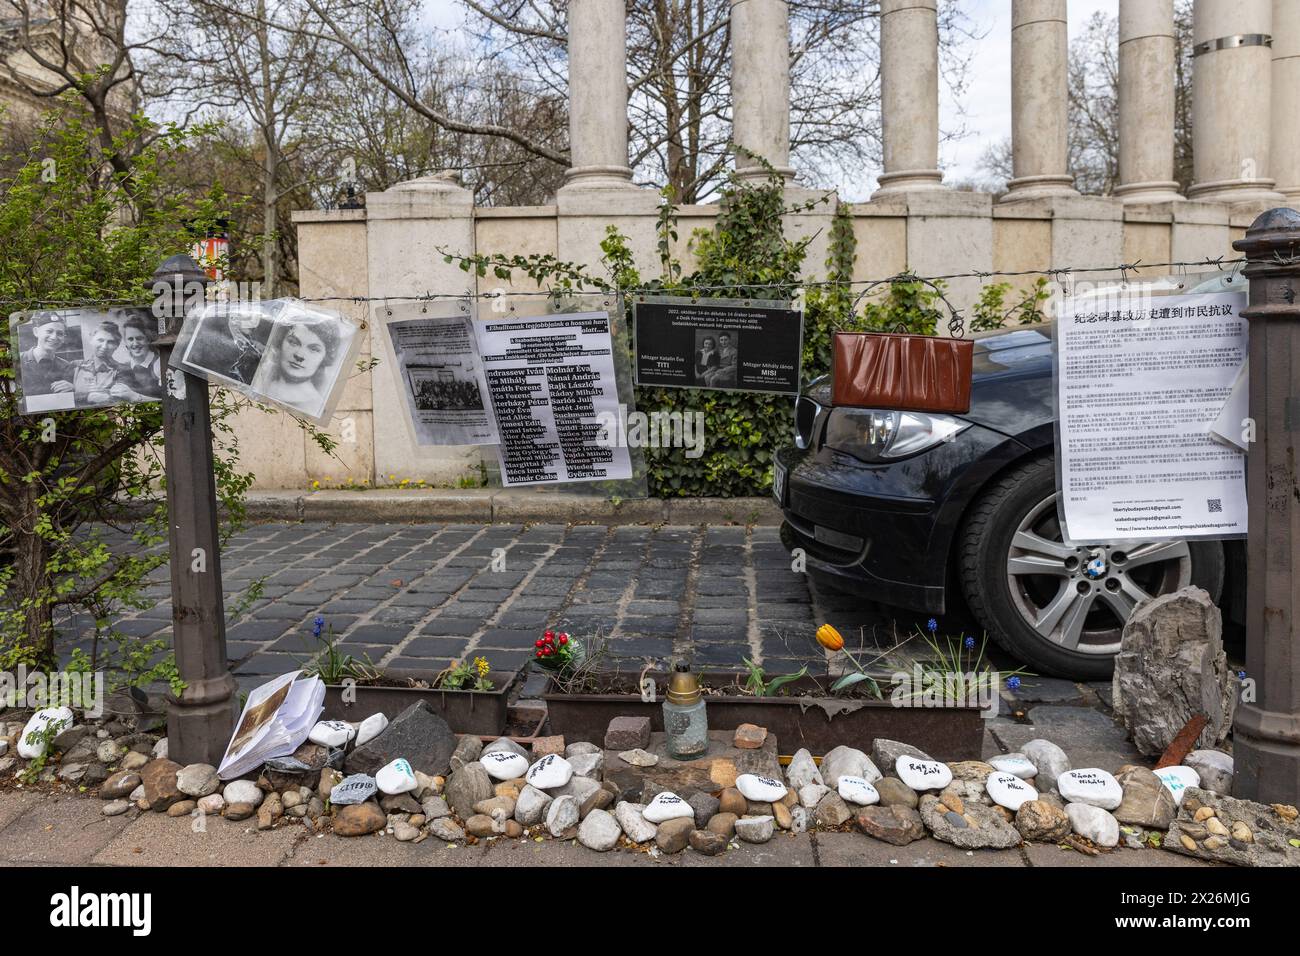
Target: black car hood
{"points": [[1011, 380]]}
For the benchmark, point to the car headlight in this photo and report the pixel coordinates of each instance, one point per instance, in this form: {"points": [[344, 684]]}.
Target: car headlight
{"points": [[873, 435]]}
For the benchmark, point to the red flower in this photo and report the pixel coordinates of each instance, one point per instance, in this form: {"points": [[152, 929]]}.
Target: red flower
{"points": [[537, 643], [564, 639]]}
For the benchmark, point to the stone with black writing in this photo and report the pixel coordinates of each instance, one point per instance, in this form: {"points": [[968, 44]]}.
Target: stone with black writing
{"points": [[550, 772], [760, 789], [667, 806], [857, 791], [40, 730], [1090, 785], [1009, 790], [922, 775], [396, 777], [370, 728], [332, 733], [504, 765], [354, 789], [1018, 765]]}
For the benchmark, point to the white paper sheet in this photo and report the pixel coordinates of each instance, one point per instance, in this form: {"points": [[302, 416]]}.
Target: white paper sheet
{"points": [[1140, 380], [551, 378]]}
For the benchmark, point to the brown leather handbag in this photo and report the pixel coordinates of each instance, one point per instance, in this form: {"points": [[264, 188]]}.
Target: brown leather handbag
{"points": [[895, 371]]}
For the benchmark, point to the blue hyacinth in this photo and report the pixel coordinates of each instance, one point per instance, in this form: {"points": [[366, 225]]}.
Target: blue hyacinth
{"points": [[317, 625], [1013, 683], [970, 643], [1241, 675], [932, 624]]}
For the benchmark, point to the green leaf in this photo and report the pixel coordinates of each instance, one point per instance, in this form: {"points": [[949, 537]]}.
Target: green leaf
{"points": [[848, 680]]}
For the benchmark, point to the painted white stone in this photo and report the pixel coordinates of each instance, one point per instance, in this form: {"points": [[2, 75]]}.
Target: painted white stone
{"points": [[370, 728], [332, 733], [1018, 765], [857, 790], [667, 806], [1177, 780], [58, 717], [760, 789], [1009, 790], [1090, 785], [550, 772], [922, 775], [396, 777], [503, 765]]}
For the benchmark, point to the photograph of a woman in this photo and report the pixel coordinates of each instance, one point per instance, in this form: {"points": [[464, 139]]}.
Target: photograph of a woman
{"points": [[301, 363]]}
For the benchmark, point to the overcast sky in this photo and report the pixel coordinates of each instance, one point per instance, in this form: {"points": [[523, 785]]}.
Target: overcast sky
{"points": [[986, 102]]}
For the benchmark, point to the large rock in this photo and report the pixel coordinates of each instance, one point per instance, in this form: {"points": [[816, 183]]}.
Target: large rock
{"points": [[637, 827], [198, 780], [673, 835], [466, 787], [599, 831], [1098, 825], [1147, 801], [885, 752], [418, 734], [802, 770], [1043, 821], [530, 807], [1215, 769], [846, 761], [159, 780], [358, 819], [976, 828], [1170, 667], [1050, 760], [899, 825], [1235, 831], [893, 792]]}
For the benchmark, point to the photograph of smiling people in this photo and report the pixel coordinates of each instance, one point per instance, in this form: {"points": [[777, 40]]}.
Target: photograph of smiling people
{"points": [[303, 360], [49, 348]]}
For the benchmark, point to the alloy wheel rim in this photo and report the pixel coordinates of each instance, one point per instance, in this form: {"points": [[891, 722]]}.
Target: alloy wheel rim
{"points": [[1079, 598]]}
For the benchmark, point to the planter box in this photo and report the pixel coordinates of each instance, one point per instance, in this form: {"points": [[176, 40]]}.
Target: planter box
{"points": [[480, 713], [818, 723]]}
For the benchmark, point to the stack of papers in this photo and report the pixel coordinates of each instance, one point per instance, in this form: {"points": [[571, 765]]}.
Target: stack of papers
{"points": [[276, 721]]}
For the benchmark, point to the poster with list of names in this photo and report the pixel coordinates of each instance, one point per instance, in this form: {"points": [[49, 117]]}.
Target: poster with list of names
{"points": [[551, 381], [1140, 381]]}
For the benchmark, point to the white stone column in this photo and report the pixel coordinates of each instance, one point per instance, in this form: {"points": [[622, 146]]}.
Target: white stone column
{"points": [[1147, 49], [597, 95], [1284, 145], [1231, 80], [1039, 101], [760, 85], [909, 95]]}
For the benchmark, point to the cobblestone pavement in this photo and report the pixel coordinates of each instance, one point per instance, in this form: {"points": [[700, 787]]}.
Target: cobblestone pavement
{"points": [[424, 595]]}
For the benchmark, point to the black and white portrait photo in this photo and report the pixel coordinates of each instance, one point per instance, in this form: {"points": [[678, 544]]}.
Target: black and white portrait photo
{"points": [[302, 361], [79, 358], [227, 341], [715, 358]]}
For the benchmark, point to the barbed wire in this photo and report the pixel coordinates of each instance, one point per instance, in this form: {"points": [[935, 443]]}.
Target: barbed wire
{"points": [[1123, 269]]}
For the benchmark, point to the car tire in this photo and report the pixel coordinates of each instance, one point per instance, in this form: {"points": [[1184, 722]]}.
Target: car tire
{"points": [[1022, 610]]}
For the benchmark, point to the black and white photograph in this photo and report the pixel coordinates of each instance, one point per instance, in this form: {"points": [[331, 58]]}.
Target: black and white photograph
{"points": [[303, 359], [279, 351], [228, 341], [715, 358], [79, 358], [436, 356]]}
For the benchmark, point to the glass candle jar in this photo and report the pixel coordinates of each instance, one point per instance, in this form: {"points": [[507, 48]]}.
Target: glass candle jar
{"points": [[686, 725]]}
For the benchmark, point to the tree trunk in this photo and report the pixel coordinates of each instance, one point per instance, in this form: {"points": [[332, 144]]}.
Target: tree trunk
{"points": [[32, 586]]}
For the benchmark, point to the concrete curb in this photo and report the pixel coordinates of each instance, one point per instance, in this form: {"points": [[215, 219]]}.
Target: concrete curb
{"points": [[494, 505]]}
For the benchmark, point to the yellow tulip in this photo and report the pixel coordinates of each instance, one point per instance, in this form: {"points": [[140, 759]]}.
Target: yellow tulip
{"points": [[829, 638]]}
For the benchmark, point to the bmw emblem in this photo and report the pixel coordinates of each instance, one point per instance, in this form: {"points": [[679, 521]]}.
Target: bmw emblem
{"points": [[1095, 568]]}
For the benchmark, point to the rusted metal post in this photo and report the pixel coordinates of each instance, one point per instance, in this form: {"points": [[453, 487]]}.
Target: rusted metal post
{"points": [[1267, 730], [200, 721]]}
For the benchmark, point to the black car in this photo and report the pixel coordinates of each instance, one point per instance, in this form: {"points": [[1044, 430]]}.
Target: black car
{"points": [[926, 512]]}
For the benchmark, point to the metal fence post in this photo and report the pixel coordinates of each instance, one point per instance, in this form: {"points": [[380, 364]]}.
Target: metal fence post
{"points": [[201, 719], [1267, 730]]}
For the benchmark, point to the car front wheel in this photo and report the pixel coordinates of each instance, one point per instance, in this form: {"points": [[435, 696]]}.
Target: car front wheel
{"points": [[1060, 608]]}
